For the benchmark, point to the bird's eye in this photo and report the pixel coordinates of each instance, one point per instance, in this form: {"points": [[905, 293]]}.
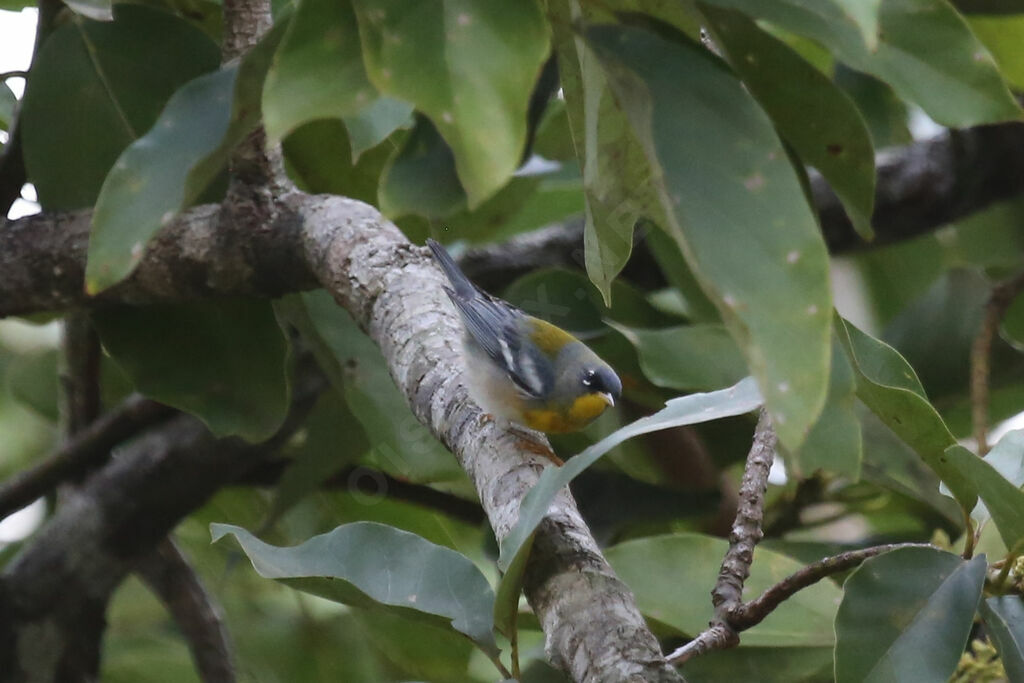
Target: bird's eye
{"points": [[588, 378]]}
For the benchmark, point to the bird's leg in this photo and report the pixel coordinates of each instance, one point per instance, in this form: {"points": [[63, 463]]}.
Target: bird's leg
{"points": [[528, 442]]}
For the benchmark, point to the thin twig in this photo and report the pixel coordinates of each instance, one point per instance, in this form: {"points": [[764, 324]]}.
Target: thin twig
{"points": [[169, 575], [746, 533], [999, 301], [86, 450], [753, 613], [723, 635]]}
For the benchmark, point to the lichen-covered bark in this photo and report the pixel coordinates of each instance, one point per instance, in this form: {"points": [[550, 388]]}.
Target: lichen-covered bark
{"points": [[592, 627]]}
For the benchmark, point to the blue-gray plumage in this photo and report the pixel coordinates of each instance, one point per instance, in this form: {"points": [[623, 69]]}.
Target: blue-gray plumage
{"points": [[523, 368]]}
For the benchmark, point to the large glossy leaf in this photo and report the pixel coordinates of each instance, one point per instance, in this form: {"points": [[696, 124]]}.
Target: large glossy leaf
{"points": [[223, 360], [100, 10], [736, 209], [890, 388], [365, 563], [906, 616], [696, 408], [679, 598], [688, 357], [115, 77], [167, 169], [616, 173], [1003, 499], [818, 119], [1004, 620], [318, 73], [402, 446], [445, 58], [957, 84]]}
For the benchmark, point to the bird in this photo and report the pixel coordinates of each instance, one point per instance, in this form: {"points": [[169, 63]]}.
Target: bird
{"points": [[522, 369]]}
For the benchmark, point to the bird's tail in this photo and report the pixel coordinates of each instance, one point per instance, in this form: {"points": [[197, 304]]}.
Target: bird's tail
{"points": [[464, 289]]}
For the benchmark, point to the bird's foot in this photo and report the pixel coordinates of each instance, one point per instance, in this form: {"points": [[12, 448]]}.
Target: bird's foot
{"points": [[528, 442]]}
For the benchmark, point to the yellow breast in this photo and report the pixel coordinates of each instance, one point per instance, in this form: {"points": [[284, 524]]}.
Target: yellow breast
{"points": [[583, 411]]}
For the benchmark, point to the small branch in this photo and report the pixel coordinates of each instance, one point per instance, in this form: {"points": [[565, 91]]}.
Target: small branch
{"points": [[746, 533], [724, 635], [374, 483], [169, 575], [80, 373], [746, 530], [999, 301], [753, 613], [85, 451]]}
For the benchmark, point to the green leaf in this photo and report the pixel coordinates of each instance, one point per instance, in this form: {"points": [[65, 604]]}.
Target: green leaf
{"points": [[1012, 327], [906, 616], [679, 598], [1003, 499], [318, 71], [834, 443], [366, 563], [688, 357], [115, 77], [223, 360], [727, 182], [616, 174], [373, 124], [402, 446], [886, 115], [443, 56], [890, 388], [1004, 620], [167, 169], [318, 157], [8, 103], [958, 85], [332, 439], [420, 178], [686, 410], [1003, 36], [818, 119], [762, 664]]}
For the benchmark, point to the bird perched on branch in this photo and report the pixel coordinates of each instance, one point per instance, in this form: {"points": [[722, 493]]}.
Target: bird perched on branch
{"points": [[524, 369]]}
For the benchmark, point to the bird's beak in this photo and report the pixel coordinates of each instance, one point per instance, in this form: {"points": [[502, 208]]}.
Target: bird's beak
{"points": [[608, 398]]}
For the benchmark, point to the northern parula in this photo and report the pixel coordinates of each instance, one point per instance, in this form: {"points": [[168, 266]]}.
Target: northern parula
{"points": [[524, 369]]}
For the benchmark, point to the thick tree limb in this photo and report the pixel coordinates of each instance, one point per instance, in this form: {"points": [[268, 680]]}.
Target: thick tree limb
{"points": [[168, 573], [53, 594], [592, 627], [87, 449]]}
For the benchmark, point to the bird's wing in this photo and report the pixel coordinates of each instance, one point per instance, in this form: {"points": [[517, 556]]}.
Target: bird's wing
{"points": [[496, 328]]}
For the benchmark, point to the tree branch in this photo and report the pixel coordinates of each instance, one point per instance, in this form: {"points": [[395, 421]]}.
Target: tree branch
{"points": [[86, 450], [168, 573], [53, 594], [727, 595], [592, 627], [999, 302]]}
